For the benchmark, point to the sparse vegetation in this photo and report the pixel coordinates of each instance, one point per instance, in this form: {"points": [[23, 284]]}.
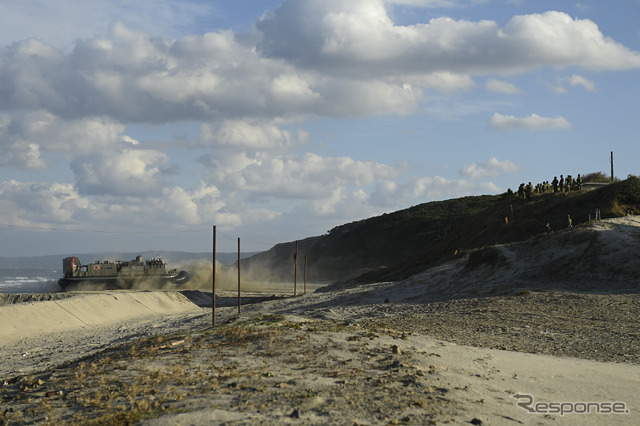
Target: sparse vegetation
{"points": [[148, 377], [151, 376], [598, 177]]}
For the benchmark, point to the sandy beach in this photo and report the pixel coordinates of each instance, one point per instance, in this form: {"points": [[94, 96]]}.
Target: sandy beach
{"points": [[459, 344]]}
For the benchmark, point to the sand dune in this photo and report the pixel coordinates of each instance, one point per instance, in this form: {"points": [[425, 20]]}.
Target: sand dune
{"points": [[86, 310]]}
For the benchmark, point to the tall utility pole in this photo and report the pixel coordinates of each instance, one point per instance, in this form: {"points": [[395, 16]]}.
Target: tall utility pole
{"points": [[611, 166], [213, 281], [295, 270], [239, 292]]}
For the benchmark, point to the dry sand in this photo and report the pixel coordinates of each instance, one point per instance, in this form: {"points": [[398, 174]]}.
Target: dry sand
{"points": [[451, 345]]}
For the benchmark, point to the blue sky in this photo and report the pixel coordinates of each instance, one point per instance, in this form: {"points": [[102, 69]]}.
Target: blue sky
{"points": [[129, 126]]}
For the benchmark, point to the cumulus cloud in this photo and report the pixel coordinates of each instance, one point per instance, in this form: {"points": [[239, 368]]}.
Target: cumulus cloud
{"points": [[201, 204], [307, 177], [16, 150], [438, 187], [172, 208], [328, 58], [248, 135], [26, 203], [500, 86], [47, 132], [533, 122], [343, 38], [430, 188], [131, 172], [133, 77], [486, 169]]}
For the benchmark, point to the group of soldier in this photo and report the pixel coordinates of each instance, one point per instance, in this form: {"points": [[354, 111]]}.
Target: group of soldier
{"points": [[567, 184]]}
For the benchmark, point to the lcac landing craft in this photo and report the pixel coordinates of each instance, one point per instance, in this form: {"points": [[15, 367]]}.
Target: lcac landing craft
{"points": [[119, 274]]}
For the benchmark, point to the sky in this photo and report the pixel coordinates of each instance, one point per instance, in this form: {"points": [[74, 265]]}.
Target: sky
{"points": [[133, 126]]}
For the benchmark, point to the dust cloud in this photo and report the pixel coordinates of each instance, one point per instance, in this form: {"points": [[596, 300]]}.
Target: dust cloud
{"points": [[252, 279]]}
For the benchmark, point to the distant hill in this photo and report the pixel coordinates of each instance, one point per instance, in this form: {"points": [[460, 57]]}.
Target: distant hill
{"points": [[174, 258], [367, 245], [400, 244]]}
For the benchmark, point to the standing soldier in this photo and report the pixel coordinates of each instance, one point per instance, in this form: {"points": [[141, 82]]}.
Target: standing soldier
{"points": [[579, 182], [561, 184], [554, 182], [521, 191], [529, 191]]}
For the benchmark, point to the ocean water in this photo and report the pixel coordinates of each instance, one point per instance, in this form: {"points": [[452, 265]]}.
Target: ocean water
{"points": [[29, 280]]}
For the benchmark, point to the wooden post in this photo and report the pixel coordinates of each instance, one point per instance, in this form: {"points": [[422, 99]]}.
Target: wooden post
{"points": [[611, 166], [305, 273], [239, 298], [213, 281], [295, 270]]}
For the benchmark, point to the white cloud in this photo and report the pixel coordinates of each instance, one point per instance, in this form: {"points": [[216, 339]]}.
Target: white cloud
{"points": [[439, 188], [55, 205], [389, 194], [557, 39], [308, 177], [491, 168], [559, 88], [446, 82], [385, 194], [25, 137], [136, 78], [248, 135], [128, 139], [500, 86], [343, 38], [578, 80], [533, 122], [16, 150], [130, 172], [27, 203], [327, 58], [200, 205]]}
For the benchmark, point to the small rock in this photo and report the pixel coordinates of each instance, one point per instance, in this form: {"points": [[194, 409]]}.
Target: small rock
{"points": [[295, 414]]}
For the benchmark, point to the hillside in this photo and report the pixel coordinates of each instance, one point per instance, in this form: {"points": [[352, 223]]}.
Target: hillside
{"points": [[397, 245], [367, 245]]}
